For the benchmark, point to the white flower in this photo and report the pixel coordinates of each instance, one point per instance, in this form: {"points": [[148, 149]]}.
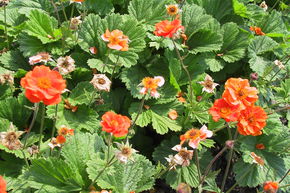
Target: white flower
{"points": [[40, 57], [65, 65], [264, 6], [125, 152], [75, 22], [53, 143], [10, 139], [101, 82], [184, 156], [172, 162], [7, 77], [208, 84], [279, 64]]}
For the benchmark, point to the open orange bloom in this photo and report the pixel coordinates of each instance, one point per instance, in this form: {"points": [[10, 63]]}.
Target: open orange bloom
{"points": [[117, 40], [194, 136], [116, 124], [271, 187], [65, 131], [257, 159], [238, 92], [60, 139], [257, 30], [252, 120], [168, 28], [2, 185], [43, 84], [222, 109], [151, 84]]}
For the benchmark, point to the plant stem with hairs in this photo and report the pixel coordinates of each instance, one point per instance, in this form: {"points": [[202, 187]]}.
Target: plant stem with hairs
{"points": [[41, 125], [5, 26], [53, 125]]}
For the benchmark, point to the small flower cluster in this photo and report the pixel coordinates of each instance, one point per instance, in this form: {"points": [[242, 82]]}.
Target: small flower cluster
{"points": [[182, 158], [150, 85], [237, 104], [63, 132]]}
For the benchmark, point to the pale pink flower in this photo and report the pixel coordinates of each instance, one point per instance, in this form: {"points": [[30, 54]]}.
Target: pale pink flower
{"points": [[184, 156], [40, 57], [208, 84]]}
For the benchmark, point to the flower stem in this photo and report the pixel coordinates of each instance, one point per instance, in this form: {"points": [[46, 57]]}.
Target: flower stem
{"points": [[137, 116], [36, 108], [242, 177], [211, 163], [63, 10], [280, 109], [53, 125], [187, 73], [197, 164], [284, 176], [222, 127], [5, 26], [228, 164], [41, 125]]}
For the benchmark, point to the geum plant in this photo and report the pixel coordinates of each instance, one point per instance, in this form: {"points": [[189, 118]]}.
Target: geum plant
{"points": [[137, 96]]}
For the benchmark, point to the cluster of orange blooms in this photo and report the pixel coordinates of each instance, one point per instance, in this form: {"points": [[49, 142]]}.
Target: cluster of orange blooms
{"points": [[237, 104], [257, 30]]}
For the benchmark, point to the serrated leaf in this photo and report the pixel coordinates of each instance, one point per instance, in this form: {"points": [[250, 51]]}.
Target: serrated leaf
{"points": [[19, 117], [13, 60], [82, 94], [272, 23], [260, 45], [240, 9], [162, 124], [132, 176], [101, 7], [26, 6], [149, 12], [79, 149], [213, 63], [55, 172], [186, 174], [43, 27]]}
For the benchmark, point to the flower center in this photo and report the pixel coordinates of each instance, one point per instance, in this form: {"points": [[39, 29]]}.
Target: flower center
{"points": [[101, 81], [208, 84], [114, 123], [172, 9], [224, 110], [126, 151], [184, 154], [44, 83], [11, 137]]}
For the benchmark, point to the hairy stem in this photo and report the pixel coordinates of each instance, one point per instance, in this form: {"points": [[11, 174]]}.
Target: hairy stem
{"points": [[41, 125], [228, 164], [5, 26], [187, 73], [286, 174], [36, 108]]}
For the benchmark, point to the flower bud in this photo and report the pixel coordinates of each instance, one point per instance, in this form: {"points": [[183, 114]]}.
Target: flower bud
{"points": [[183, 188], [230, 144], [254, 76]]}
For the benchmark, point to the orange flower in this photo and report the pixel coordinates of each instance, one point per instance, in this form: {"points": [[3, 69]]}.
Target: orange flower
{"points": [[151, 85], [2, 185], [222, 109], [60, 139], [195, 136], [116, 124], [43, 84], [173, 114], [76, 1], [172, 9], [257, 159], [117, 40], [168, 28], [252, 120], [65, 131], [271, 187], [257, 30], [260, 146], [238, 92]]}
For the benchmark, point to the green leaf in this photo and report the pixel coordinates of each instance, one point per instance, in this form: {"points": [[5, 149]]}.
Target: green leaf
{"points": [[100, 65], [235, 43], [13, 60], [217, 8], [132, 176], [149, 12], [43, 27], [83, 118], [261, 45], [82, 94], [186, 174], [164, 150], [273, 23], [162, 124], [101, 7], [259, 64], [13, 17], [214, 63], [79, 149], [55, 172], [24, 7], [9, 165], [239, 8], [30, 45], [19, 117]]}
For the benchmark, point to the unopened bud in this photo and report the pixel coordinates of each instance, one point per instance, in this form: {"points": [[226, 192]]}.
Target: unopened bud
{"points": [[183, 188], [254, 76], [230, 144]]}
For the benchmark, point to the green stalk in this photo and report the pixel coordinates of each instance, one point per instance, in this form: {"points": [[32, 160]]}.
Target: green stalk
{"points": [[187, 73], [5, 27], [138, 114], [41, 125], [228, 164], [53, 125], [286, 174], [36, 108]]}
